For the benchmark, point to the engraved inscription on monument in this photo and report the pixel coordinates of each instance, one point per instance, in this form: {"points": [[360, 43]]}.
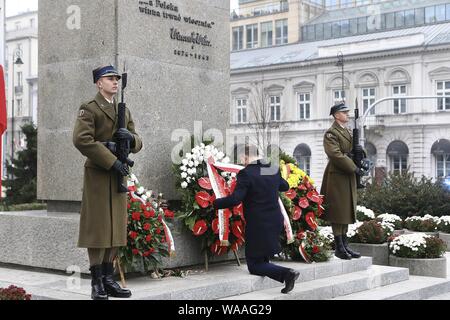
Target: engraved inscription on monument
{"points": [[188, 44]]}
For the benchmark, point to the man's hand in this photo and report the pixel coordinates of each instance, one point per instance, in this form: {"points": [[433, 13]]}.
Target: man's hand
{"points": [[121, 168], [124, 134]]}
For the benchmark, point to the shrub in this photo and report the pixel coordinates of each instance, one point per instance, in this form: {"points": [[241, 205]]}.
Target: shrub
{"points": [[393, 219], [422, 224], [406, 196], [417, 246], [14, 293], [24, 207], [444, 224], [372, 232]]}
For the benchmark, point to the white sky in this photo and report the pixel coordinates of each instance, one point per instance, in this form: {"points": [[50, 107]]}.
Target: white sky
{"points": [[234, 4], [14, 7]]}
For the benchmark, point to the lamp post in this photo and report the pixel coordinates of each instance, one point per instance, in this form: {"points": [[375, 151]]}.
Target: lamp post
{"points": [[18, 61]]}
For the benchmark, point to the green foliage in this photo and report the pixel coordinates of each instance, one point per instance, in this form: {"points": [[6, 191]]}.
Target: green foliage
{"points": [[24, 207], [406, 196], [23, 170]]}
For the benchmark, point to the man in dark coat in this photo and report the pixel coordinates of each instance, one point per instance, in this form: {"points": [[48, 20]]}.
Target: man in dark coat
{"points": [[339, 180], [257, 187]]}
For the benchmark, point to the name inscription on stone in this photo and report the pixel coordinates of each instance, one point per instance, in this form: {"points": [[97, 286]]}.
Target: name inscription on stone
{"points": [[169, 11]]}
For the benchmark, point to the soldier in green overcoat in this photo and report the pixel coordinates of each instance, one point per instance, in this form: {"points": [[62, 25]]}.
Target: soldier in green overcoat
{"points": [[339, 180], [103, 221]]}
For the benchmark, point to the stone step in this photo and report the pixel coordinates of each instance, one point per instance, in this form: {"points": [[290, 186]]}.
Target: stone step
{"points": [[335, 286], [416, 288], [222, 280], [445, 296]]}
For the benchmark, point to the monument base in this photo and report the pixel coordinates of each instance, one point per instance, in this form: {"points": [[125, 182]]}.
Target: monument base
{"points": [[48, 240]]}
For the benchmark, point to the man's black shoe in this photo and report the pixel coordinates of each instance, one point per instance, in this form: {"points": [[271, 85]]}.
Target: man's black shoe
{"points": [[112, 288], [291, 277]]}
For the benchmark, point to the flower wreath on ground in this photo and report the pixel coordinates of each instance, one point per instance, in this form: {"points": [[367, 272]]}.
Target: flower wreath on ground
{"points": [[304, 205], [149, 236], [197, 212]]}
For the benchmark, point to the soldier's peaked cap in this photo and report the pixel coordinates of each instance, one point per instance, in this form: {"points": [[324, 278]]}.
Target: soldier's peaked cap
{"points": [[339, 107], [105, 71]]}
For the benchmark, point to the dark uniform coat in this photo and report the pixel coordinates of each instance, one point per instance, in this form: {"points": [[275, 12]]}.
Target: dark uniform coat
{"points": [[103, 222], [339, 179], [264, 220]]}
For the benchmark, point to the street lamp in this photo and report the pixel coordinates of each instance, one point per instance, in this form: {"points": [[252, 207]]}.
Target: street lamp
{"points": [[18, 56]]}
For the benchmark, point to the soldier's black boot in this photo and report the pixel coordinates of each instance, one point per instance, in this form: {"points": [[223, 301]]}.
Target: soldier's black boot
{"points": [[112, 288], [98, 290], [340, 251], [354, 254]]}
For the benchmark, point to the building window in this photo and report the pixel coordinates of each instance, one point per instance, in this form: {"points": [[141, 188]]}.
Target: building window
{"points": [[443, 89], [32, 22], [327, 30], [281, 27], [372, 155], [17, 24], [409, 18], [399, 104], [304, 103], [302, 154], [19, 108], [441, 152], [390, 20], [338, 96], [362, 25], [252, 36], [447, 11], [238, 38], [275, 108], [442, 165], [319, 31], [336, 31], [440, 13], [399, 19], [419, 17], [398, 153], [241, 108], [368, 99], [430, 16], [266, 34], [354, 26]]}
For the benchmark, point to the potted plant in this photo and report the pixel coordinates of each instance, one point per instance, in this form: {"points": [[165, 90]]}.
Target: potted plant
{"points": [[370, 239], [420, 253], [444, 230], [427, 224]]}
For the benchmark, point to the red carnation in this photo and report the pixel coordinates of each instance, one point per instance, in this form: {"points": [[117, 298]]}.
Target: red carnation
{"points": [[311, 220], [169, 214], [205, 183], [158, 231], [301, 235], [133, 235], [315, 250], [148, 238], [147, 226], [135, 252], [160, 218], [291, 194], [200, 228], [128, 205], [136, 216], [297, 214], [203, 199], [149, 214], [132, 188], [303, 203]]}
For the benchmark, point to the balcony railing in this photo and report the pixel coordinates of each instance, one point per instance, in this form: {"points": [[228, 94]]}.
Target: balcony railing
{"points": [[18, 89], [282, 6]]}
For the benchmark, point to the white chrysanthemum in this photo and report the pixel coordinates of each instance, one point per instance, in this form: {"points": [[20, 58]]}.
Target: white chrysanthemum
{"points": [[144, 197], [226, 160], [184, 175], [200, 158], [445, 220], [327, 232], [149, 193], [367, 212], [196, 163], [140, 190], [191, 164], [220, 155], [133, 177], [353, 228], [412, 241], [390, 218], [189, 156], [184, 185], [185, 162]]}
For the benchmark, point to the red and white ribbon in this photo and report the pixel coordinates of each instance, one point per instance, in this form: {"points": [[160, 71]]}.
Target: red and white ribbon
{"points": [[218, 185]]}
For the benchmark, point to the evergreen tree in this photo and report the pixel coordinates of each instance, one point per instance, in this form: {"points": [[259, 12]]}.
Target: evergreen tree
{"points": [[22, 173]]}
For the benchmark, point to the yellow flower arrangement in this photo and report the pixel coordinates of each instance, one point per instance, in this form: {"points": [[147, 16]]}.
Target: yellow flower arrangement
{"points": [[293, 174]]}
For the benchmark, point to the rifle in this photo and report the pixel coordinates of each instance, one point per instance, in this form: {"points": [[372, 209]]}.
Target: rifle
{"points": [[123, 148], [358, 158]]}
